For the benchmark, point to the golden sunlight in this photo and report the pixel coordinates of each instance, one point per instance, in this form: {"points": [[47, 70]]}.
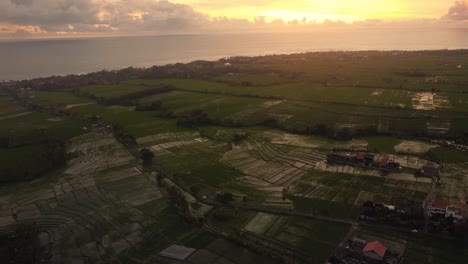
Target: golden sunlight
{"points": [[320, 10]]}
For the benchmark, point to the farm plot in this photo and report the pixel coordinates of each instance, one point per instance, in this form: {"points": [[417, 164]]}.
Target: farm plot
{"points": [[198, 161], [58, 98], [192, 159], [417, 249], [346, 191], [99, 213], [9, 108], [310, 240], [269, 163], [169, 137], [411, 146], [215, 105], [453, 184], [314, 142]]}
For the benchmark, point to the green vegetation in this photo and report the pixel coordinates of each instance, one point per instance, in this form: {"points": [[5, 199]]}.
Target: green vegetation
{"points": [[252, 136], [420, 248], [446, 154], [54, 98], [382, 144], [112, 91]]}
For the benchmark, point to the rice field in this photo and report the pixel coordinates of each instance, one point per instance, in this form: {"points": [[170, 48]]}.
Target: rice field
{"points": [[418, 248], [341, 193], [312, 241], [9, 108], [66, 99], [103, 208]]}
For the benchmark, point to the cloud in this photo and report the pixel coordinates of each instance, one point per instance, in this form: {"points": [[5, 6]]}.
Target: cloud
{"points": [[48, 13], [102, 15], [141, 17], [22, 2], [459, 10]]}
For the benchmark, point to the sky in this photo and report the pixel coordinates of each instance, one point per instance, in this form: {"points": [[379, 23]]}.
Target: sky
{"points": [[81, 18]]}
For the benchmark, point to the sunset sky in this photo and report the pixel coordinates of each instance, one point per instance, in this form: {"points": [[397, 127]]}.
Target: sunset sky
{"points": [[62, 18]]}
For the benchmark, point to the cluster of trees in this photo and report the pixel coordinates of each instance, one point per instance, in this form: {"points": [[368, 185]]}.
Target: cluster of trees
{"points": [[153, 106], [178, 201], [128, 99], [146, 156], [123, 137], [30, 161], [194, 118]]}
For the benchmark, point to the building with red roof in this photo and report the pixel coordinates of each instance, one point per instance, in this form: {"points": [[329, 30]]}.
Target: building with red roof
{"points": [[374, 250], [437, 207]]}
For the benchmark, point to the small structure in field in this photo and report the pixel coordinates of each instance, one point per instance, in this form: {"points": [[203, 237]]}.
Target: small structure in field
{"points": [[227, 64], [374, 250], [459, 67], [177, 252], [429, 171]]}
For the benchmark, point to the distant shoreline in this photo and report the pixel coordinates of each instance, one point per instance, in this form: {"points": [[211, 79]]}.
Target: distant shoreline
{"points": [[218, 58]]}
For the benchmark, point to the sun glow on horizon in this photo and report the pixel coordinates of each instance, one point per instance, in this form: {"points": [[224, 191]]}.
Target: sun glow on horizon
{"points": [[321, 10]]}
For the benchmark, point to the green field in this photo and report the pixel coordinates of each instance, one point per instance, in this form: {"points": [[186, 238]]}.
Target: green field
{"points": [[419, 248], [258, 131], [9, 107], [340, 194], [53, 98], [113, 91], [312, 240]]}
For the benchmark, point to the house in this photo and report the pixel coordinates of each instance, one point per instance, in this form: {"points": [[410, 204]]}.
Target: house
{"points": [[384, 162], [455, 212], [429, 171], [374, 250], [436, 207]]}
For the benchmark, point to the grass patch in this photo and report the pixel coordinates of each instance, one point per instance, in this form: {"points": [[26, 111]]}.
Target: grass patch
{"points": [[449, 155], [382, 144]]}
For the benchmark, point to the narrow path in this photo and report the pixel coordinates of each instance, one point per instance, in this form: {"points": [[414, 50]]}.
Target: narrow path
{"points": [[429, 198]]}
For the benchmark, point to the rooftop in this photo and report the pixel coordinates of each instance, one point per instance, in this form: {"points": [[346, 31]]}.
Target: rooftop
{"points": [[377, 247]]}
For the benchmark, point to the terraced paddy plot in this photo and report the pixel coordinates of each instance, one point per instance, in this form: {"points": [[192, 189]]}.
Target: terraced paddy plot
{"points": [[353, 190], [193, 160], [269, 163], [196, 160], [97, 213], [169, 137], [453, 184], [312, 241]]}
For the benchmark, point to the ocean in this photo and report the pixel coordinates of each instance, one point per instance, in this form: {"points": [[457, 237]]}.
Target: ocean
{"points": [[42, 58]]}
